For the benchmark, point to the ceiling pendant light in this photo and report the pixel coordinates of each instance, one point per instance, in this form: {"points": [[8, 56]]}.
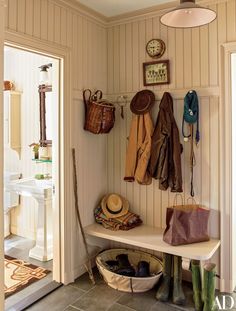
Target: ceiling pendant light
{"points": [[187, 15]]}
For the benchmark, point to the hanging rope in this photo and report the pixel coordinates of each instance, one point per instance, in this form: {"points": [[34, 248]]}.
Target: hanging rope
{"points": [[191, 116]]}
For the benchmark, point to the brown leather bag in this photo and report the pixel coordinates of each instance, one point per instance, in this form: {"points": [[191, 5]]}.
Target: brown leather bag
{"points": [[186, 224], [99, 114]]}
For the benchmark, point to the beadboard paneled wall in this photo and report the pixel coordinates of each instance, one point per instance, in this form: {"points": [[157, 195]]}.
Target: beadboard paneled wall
{"points": [[22, 68], [194, 64], [62, 24]]}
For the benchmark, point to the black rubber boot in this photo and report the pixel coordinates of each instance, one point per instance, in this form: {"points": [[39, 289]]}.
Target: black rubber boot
{"points": [[178, 294], [163, 291]]}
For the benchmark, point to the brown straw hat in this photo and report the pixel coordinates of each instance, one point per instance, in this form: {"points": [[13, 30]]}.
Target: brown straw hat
{"points": [[142, 102], [114, 205]]}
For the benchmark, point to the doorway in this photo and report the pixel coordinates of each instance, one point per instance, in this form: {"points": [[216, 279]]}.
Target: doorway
{"points": [[31, 179], [228, 166]]}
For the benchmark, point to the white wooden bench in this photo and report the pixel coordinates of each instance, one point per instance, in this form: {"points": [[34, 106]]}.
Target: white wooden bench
{"points": [[151, 238]]}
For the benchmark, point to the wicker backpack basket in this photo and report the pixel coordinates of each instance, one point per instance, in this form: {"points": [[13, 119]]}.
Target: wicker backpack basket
{"points": [[99, 117], [125, 283]]}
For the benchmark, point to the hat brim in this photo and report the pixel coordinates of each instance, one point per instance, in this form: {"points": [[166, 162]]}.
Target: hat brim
{"points": [[124, 211], [147, 96]]}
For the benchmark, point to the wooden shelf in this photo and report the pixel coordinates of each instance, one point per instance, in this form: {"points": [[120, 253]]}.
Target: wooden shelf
{"points": [[151, 238]]}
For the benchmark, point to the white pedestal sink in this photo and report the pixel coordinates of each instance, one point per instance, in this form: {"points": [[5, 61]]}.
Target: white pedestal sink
{"points": [[41, 190]]}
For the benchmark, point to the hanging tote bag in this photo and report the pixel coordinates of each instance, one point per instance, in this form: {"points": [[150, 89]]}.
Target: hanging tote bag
{"points": [[186, 224]]}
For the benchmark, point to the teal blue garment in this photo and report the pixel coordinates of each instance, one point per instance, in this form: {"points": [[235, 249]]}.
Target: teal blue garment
{"points": [[191, 112]]}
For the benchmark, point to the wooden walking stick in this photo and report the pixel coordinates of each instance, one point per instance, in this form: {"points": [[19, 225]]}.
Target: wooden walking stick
{"points": [[88, 266]]}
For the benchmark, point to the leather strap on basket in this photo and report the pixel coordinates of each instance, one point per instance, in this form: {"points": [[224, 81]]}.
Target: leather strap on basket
{"points": [[87, 94], [97, 95]]}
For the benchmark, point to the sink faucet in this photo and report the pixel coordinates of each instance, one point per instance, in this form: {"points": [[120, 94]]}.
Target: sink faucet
{"points": [[47, 176]]}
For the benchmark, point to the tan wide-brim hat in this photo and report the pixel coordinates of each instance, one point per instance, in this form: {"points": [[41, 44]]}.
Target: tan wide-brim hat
{"points": [[142, 102], [114, 205]]}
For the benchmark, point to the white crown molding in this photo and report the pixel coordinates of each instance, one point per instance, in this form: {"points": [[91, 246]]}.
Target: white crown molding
{"points": [[153, 11], [107, 22], [83, 10]]}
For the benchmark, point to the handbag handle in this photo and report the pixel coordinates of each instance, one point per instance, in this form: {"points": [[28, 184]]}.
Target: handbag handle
{"points": [[175, 199], [193, 200]]}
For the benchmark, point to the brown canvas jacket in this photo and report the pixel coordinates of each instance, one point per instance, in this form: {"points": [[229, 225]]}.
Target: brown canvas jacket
{"points": [[139, 149], [165, 160]]}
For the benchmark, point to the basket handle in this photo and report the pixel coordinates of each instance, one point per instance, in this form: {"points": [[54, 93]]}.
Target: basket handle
{"points": [[87, 93]]}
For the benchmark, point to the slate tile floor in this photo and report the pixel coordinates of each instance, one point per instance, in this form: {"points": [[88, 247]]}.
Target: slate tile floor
{"points": [[82, 295]]}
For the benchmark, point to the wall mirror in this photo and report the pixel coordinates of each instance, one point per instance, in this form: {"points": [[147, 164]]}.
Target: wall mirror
{"points": [[45, 115]]}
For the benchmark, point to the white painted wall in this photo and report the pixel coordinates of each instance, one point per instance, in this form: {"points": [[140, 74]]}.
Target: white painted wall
{"points": [[194, 64]]}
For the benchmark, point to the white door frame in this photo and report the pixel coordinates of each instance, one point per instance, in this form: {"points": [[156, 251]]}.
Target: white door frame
{"points": [[2, 18], [227, 279], [62, 252]]}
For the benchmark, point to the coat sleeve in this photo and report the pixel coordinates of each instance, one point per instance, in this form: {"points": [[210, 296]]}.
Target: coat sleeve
{"points": [[131, 154]]}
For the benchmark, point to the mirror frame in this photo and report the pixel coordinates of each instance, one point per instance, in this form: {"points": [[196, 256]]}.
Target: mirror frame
{"points": [[42, 89]]}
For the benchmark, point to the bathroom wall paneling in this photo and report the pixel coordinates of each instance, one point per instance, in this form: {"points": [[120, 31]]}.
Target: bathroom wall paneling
{"points": [[22, 68], [58, 24]]}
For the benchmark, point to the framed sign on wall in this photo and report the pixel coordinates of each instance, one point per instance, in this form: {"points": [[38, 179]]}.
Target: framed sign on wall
{"points": [[156, 72]]}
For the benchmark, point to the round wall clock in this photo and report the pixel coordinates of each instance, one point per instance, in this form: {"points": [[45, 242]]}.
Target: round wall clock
{"points": [[155, 48]]}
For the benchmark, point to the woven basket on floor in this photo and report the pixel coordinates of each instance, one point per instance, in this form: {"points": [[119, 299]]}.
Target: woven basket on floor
{"points": [[126, 283]]}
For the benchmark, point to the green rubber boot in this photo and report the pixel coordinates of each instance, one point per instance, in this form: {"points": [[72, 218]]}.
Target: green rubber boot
{"points": [[164, 290], [208, 293], [178, 294], [197, 285]]}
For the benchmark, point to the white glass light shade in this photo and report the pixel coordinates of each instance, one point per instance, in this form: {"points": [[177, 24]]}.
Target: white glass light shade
{"points": [[43, 77], [188, 15]]}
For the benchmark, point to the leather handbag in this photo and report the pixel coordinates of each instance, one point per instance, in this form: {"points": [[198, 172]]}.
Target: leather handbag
{"points": [[186, 223], [99, 114]]}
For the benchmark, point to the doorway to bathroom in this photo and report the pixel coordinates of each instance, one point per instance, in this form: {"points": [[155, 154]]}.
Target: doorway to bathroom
{"points": [[31, 171], [228, 166], [233, 91]]}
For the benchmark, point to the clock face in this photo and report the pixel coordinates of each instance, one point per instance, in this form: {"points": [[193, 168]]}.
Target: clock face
{"points": [[155, 48]]}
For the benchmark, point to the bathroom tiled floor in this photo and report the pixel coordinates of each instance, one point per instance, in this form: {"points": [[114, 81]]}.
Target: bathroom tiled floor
{"points": [[19, 247]]}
